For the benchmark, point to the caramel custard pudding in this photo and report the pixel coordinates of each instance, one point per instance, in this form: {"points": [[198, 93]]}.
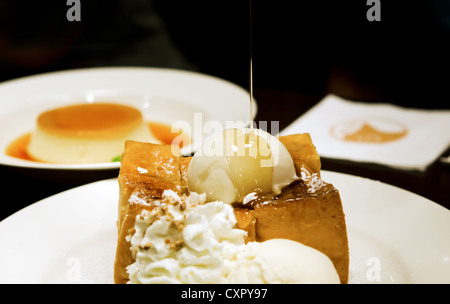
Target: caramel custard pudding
{"points": [[96, 120], [88, 133]]}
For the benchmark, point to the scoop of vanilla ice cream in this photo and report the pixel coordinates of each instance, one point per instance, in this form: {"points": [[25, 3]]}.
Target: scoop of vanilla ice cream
{"points": [[286, 261], [280, 261], [237, 162]]}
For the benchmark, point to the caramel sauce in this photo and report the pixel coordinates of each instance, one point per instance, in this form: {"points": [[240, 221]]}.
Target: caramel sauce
{"points": [[163, 132], [293, 192], [18, 148]]}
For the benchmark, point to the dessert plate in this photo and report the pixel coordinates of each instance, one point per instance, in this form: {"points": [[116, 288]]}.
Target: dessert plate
{"points": [[395, 236], [162, 95]]}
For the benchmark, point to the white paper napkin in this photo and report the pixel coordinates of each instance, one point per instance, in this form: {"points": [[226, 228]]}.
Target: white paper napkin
{"points": [[376, 133]]}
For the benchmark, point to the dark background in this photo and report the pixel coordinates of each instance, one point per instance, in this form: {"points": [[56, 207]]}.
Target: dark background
{"points": [[313, 47]]}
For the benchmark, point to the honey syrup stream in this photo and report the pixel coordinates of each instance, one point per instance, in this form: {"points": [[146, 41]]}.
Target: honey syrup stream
{"points": [[251, 65]]}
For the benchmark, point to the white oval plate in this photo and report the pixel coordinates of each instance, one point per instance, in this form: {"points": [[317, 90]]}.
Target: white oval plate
{"points": [[395, 236], [162, 95]]}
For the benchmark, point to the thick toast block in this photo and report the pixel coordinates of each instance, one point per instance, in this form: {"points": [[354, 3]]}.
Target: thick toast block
{"points": [[308, 211]]}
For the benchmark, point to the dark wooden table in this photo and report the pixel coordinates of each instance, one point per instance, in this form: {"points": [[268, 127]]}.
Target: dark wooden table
{"points": [[21, 187]]}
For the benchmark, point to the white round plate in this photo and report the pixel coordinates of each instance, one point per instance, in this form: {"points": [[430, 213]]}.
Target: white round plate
{"points": [[395, 236], [162, 95]]}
